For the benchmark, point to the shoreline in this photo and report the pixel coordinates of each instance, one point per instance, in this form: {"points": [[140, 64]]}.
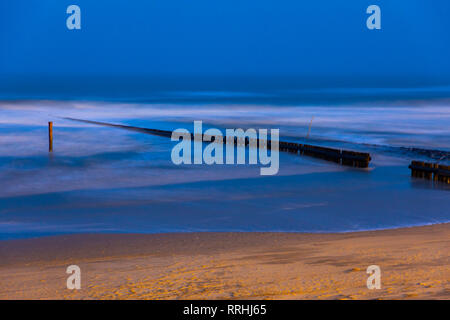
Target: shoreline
{"points": [[414, 262], [59, 235]]}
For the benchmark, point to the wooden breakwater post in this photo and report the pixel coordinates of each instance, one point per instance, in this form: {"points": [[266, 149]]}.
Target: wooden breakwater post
{"points": [[442, 174], [50, 136], [430, 171]]}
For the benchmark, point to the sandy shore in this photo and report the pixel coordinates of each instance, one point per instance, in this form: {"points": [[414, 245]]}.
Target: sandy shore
{"points": [[414, 264]]}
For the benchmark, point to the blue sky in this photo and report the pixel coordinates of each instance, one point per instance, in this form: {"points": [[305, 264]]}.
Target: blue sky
{"points": [[199, 43]]}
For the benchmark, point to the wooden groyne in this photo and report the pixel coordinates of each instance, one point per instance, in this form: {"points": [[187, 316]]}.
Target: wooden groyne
{"points": [[430, 171], [343, 157]]}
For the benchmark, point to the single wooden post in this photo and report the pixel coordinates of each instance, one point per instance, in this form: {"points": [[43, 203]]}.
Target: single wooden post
{"points": [[309, 129], [429, 173], [50, 136]]}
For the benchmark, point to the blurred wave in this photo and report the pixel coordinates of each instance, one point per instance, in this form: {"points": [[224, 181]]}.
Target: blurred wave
{"points": [[102, 179]]}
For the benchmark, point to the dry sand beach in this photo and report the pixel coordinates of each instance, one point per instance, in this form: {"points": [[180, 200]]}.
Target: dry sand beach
{"points": [[414, 264]]}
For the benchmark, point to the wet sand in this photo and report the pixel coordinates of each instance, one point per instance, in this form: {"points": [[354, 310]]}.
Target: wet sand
{"points": [[414, 264]]}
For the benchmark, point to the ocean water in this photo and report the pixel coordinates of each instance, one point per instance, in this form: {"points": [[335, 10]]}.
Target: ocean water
{"points": [[102, 179]]}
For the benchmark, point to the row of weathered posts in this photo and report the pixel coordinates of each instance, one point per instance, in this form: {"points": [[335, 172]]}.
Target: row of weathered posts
{"points": [[343, 157], [419, 169], [430, 171]]}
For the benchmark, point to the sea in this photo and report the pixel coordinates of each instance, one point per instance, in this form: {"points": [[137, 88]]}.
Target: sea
{"points": [[108, 180]]}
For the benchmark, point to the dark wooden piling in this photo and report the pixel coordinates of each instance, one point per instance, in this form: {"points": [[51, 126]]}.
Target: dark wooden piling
{"points": [[324, 153], [414, 166], [288, 147], [436, 176], [355, 159], [430, 171], [50, 136], [443, 173]]}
